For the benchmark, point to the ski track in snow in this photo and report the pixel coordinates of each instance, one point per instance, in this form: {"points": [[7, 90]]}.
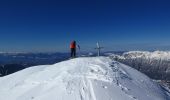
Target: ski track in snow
{"points": [[95, 78]]}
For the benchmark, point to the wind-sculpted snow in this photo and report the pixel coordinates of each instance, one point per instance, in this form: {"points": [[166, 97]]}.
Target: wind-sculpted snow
{"points": [[95, 78]]}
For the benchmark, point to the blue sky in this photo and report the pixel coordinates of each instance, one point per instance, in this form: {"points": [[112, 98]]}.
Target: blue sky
{"points": [[46, 25]]}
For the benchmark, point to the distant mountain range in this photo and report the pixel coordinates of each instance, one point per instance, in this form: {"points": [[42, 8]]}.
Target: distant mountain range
{"points": [[12, 62], [33, 58]]}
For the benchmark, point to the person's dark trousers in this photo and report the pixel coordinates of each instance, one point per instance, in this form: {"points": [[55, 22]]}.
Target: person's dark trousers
{"points": [[73, 52]]}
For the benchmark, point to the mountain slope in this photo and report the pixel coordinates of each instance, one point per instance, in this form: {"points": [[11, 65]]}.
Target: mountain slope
{"points": [[155, 64], [95, 78]]}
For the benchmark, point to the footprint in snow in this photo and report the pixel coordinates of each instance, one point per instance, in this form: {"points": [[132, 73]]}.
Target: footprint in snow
{"points": [[105, 87], [123, 88], [32, 98]]}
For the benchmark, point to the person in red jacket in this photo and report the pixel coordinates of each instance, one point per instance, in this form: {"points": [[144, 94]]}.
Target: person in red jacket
{"points": [[73, 49]]}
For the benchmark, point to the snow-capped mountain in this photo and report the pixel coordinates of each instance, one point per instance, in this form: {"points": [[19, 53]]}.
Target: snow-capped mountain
{"points": [[155, 64], [93, 78], [157, 55]]}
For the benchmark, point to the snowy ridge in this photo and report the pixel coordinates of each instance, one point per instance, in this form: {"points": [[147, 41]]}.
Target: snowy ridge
{"points": [[95, 78], [164, 55]]}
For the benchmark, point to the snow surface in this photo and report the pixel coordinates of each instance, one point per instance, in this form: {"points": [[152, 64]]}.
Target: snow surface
{"points": [[88, 78]]}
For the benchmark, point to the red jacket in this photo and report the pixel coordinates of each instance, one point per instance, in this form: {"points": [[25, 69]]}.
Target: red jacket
{"points": [[73, 45]]}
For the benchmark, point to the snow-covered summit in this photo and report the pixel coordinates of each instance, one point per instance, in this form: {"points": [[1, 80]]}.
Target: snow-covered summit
{"points": [[94, 78]]}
